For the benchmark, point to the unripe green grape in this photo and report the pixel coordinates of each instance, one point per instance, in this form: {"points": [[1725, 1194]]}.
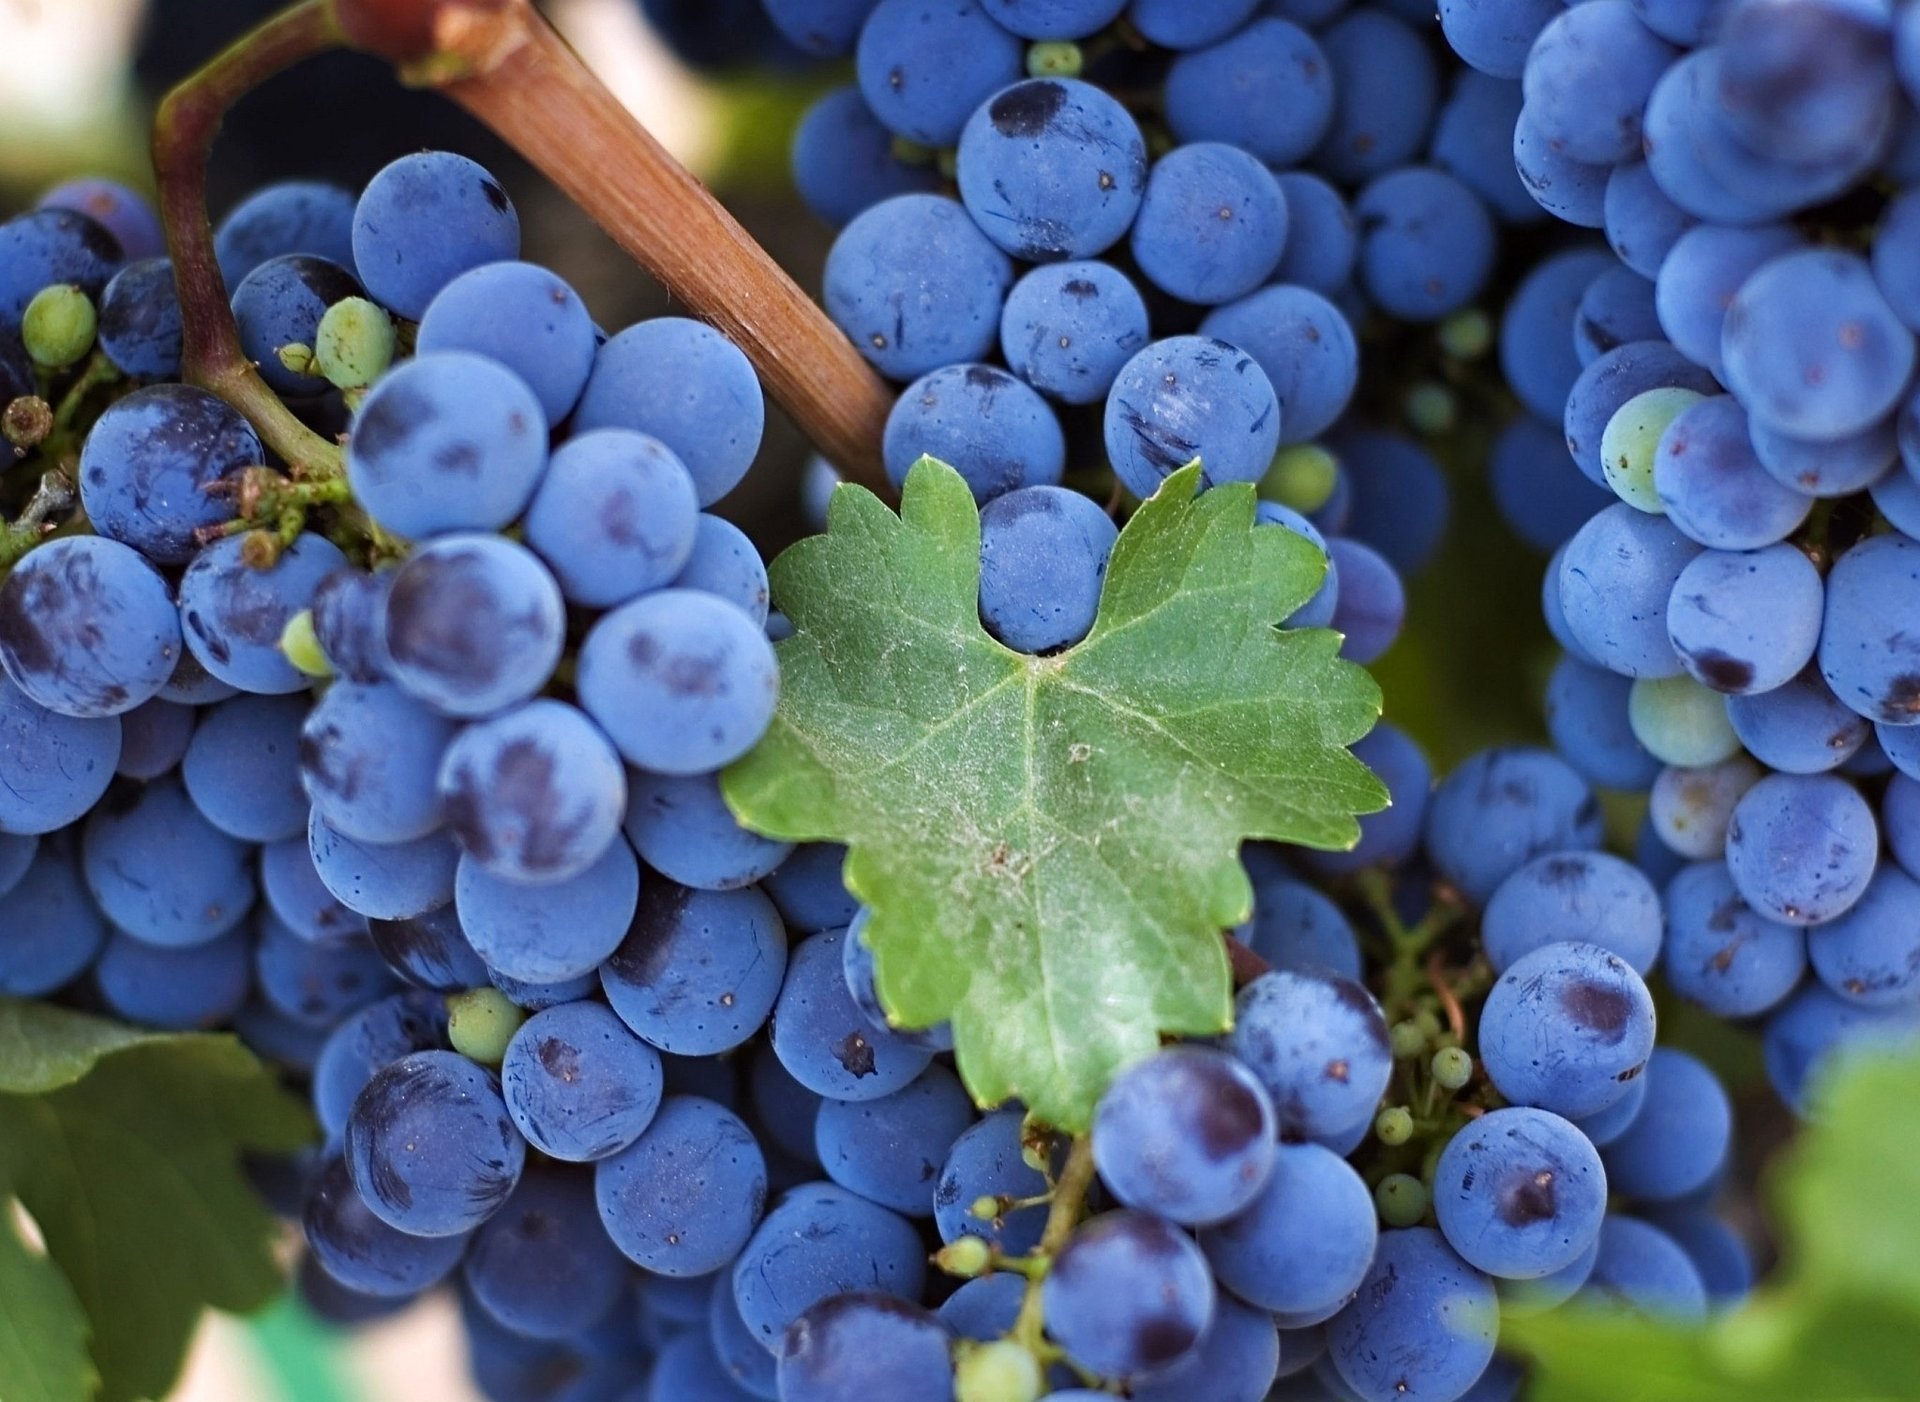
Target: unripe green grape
{"points": [[1467, 335], [985, 1207], [1452, 1068], [1001, 1371], [1632, 434], [302, 646], [354, 344], [296, 357], [1431, 409], [1681, 722], [1428, 1021], [965, 1256], [1302, 476], [1407, 1040], [480, 1023], [1055, 58], [58, 326], [1393, 1126], [1401, 1199]]}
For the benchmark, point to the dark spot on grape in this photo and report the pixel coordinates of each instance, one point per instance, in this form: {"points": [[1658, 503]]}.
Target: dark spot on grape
{"points": [[1902, 701], [1163, 1339], [1529, 1201], [1564, 871], [1027, 109], [1722, 671], [1598, 1007], [1079, 289], [646, 954], [855, 1053], [558, 1059], [1229, 1119], [387, 422], [496, 196], [458, 458]]}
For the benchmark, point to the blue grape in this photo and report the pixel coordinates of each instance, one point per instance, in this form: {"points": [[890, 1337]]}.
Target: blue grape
{"points": [[1191, 397], [369, 757], [384, 881], [350, 623], [16, 857], [1566, 1028], [1614, 378], [984, 1309], [1520, 1193], [1901, 745], [1318, 611], [295, 893], [140, 320], [1723, 955], [1588, 76], [1716, 1250], [316, 982], [726, 564], [1067, 328], [1174, 25], [53, 929], [1542, 497], [683, 383], [614, 516], [120, 211], [1054, 19], [232, 615], [179, 989], [825, 1041], [523, 317], [1495, 38], [1500, 809], [1812, 349], [360, 1251], [1212, 224], [1305, 1243], [686, 1367], [578, 1084], [986, 1162], [698, 971], [1322, 242], [1574, 192], [1187, 1134], [1802, 847], [1894, 247], [864, 1344], [681, 681], [1642, 1268], [1587, 718], [333, 1303], [48, 246], [430, 1146], [1699, 277], [1871, 954], [425, 219], [1400, 495], [1318, 1044], [534, 794], [1129, 1295], [161, 872], [542, 1265], [474, 624], [295, 216], [242, 768], [1642, 224], [1473, 142], [1814, 1028], [1799, 727], [925, 65], [683, 829], [538, 997], [149, 461], [1616, 308], [555, 930], [1810, 83], [1536, 332], [87, 627], [998, 433], [1583, 897], [1867, 644], [1385, 86], [447, 442], [890, 1150], [1294, 926], [1392, 835], [817, 1242], [1043, 558], [809, 890], [1236, 1361], [428, 951], [1616, 578], [1713, 485], [1603, 1128], [1052, 169], [1691, 809], [372, 1037], [861, 971], [844, 161], [1422, 1327], [1746, 622], [1266, 88], [915, 285], [279, 304], [1680, 1139], [1897, 495], [1307, 350], [1426, 243]]}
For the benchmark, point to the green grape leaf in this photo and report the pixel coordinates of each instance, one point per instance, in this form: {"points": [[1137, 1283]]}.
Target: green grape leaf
{"points": [[125, 1147], [1049, 845], [1838, 1321], [43, 1334]]}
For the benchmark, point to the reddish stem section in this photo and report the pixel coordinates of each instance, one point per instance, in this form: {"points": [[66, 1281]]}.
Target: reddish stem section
{"points": [[1247, 966], [502, 62]]}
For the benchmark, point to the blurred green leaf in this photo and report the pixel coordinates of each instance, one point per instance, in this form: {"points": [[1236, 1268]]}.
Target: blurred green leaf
{"points": [[43, 1334]]}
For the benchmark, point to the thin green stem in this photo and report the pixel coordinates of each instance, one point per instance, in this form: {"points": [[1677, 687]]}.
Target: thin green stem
{"points": [[1069, 1203]]}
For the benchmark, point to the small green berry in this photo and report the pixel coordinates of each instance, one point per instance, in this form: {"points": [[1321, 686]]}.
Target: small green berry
{"points": [[965, 1256], [1467, 335], [26, 421], [480, 1023], [1302, 476], [985, 1207], [1394, 1125], [1402, 1200], [1055, 58], [1632, 437], [354, 344], [1407, 1040], [58, 326], [1452, 1068], [296, 357], [1428, 1021], [1001, 1371], [1432, 409], [302, 647]]}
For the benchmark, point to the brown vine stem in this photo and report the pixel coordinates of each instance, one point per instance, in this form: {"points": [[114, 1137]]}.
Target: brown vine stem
{"points": [[503, 63], [183, 134]]}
